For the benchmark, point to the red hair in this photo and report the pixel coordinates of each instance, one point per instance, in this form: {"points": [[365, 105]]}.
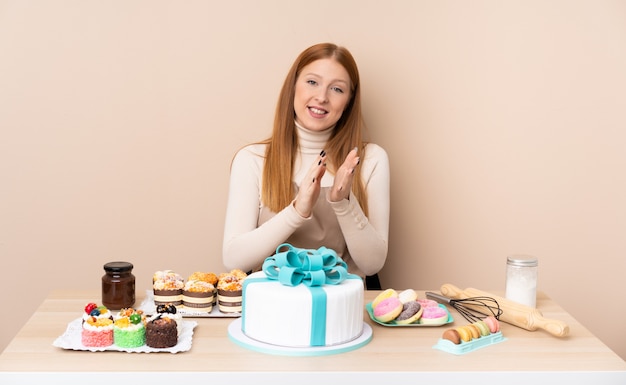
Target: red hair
{"points": [[278, 190]]}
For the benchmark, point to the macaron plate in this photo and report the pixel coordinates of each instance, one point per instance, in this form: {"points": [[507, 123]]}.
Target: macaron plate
{"points": [[370, 311]]}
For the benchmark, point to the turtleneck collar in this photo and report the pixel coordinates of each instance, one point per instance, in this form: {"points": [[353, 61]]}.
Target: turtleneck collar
{"points": [[312, 141]]}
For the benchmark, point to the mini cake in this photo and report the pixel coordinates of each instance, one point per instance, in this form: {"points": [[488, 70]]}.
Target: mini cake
{"points": [[198, 295], [97, 332], [229, 291], [168, 288], [128, 329], [161, 332]]}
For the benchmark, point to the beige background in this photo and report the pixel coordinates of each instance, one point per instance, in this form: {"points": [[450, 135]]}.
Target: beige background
{"points": [[504, 122]]}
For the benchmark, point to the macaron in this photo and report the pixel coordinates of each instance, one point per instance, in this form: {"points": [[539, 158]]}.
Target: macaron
{"points": [[434, 315], [407, 295], [482, 326], [473, 330], [492, 323], [388, 309], [411, 312], [452, 335], [464, 333], [385, 294]]}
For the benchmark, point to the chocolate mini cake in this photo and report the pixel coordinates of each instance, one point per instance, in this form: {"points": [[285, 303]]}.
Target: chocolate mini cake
{"points": [[161, 332]]}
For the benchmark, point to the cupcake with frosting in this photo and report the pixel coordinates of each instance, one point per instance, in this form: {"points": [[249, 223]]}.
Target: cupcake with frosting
{"points": [[229, 291], [167, 288], [208, 277], [198, 295]]}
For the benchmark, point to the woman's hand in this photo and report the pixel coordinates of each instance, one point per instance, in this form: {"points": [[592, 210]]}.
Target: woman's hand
{"points": [[344, 176], [310, 187]]}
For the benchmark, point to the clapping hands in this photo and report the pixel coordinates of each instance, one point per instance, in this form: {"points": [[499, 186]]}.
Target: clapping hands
{"points": [[311, 185]]}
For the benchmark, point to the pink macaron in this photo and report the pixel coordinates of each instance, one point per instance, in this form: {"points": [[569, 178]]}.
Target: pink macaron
{"points": [[492, 323]]}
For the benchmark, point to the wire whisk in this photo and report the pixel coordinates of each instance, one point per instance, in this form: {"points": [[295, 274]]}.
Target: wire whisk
{"points": [[472, 309]]}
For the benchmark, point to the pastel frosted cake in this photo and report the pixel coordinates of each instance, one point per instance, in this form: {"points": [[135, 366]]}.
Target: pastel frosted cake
{"points": [[128, 329], [300, 315], [97, 326]]}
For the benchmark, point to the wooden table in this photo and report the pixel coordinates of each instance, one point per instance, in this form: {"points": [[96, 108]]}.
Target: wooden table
{"points": [[394, 355]]}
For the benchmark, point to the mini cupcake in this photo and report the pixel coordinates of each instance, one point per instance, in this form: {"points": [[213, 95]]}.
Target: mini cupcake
{"points": [[198, 295], [208, 278], [97, 332], [167, 288], [229, 291], [128, 329]]}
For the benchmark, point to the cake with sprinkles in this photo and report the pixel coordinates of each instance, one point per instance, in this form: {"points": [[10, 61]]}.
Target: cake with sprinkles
{"points": [[128, 329], [97, 326]]}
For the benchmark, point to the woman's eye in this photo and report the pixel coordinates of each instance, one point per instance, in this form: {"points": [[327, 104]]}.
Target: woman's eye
{"points": [[311, 82], [337, 89]]}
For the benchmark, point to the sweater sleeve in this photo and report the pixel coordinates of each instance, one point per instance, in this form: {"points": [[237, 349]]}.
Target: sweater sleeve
{"points": [[245, 245], [367, 237]]}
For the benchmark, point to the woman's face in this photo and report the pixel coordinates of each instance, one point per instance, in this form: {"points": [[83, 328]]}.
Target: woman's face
{"points": [[322, 92]]}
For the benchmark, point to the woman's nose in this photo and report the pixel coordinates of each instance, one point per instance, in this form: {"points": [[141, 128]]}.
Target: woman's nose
{"points": [[322, 95]]}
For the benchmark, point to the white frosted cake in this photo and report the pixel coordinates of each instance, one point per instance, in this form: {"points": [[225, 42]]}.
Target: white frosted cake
{"points": [[296, 316]]}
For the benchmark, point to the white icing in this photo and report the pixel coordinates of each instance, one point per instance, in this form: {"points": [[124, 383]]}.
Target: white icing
{"points": [[281, 315], [93, 328]]}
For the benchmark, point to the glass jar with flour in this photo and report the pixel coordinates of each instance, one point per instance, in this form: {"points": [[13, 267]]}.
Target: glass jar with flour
{"points": [[521, 279]]}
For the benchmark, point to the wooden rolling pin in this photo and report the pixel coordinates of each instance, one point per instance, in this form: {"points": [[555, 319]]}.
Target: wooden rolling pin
{"points": [[513, 313]]}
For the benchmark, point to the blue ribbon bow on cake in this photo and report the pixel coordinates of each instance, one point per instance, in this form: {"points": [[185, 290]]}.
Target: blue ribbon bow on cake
{"points": [[294, 266]]}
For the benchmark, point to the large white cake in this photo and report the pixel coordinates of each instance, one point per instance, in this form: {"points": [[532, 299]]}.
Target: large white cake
{"points": [[293, 316]]}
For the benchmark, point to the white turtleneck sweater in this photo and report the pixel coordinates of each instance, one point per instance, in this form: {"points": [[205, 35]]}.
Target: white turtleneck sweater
{"points": [[252, 232]]}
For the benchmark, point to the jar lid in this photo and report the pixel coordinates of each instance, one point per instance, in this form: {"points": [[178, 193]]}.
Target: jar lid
{"points": [[522, 260], [118, 266]]}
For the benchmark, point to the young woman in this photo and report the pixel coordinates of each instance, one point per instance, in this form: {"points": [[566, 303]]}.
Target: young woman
{"points": [[314, 182]]}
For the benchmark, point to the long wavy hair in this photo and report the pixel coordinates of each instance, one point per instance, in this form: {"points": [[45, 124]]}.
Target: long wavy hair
{"points": [[278, 190]]}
